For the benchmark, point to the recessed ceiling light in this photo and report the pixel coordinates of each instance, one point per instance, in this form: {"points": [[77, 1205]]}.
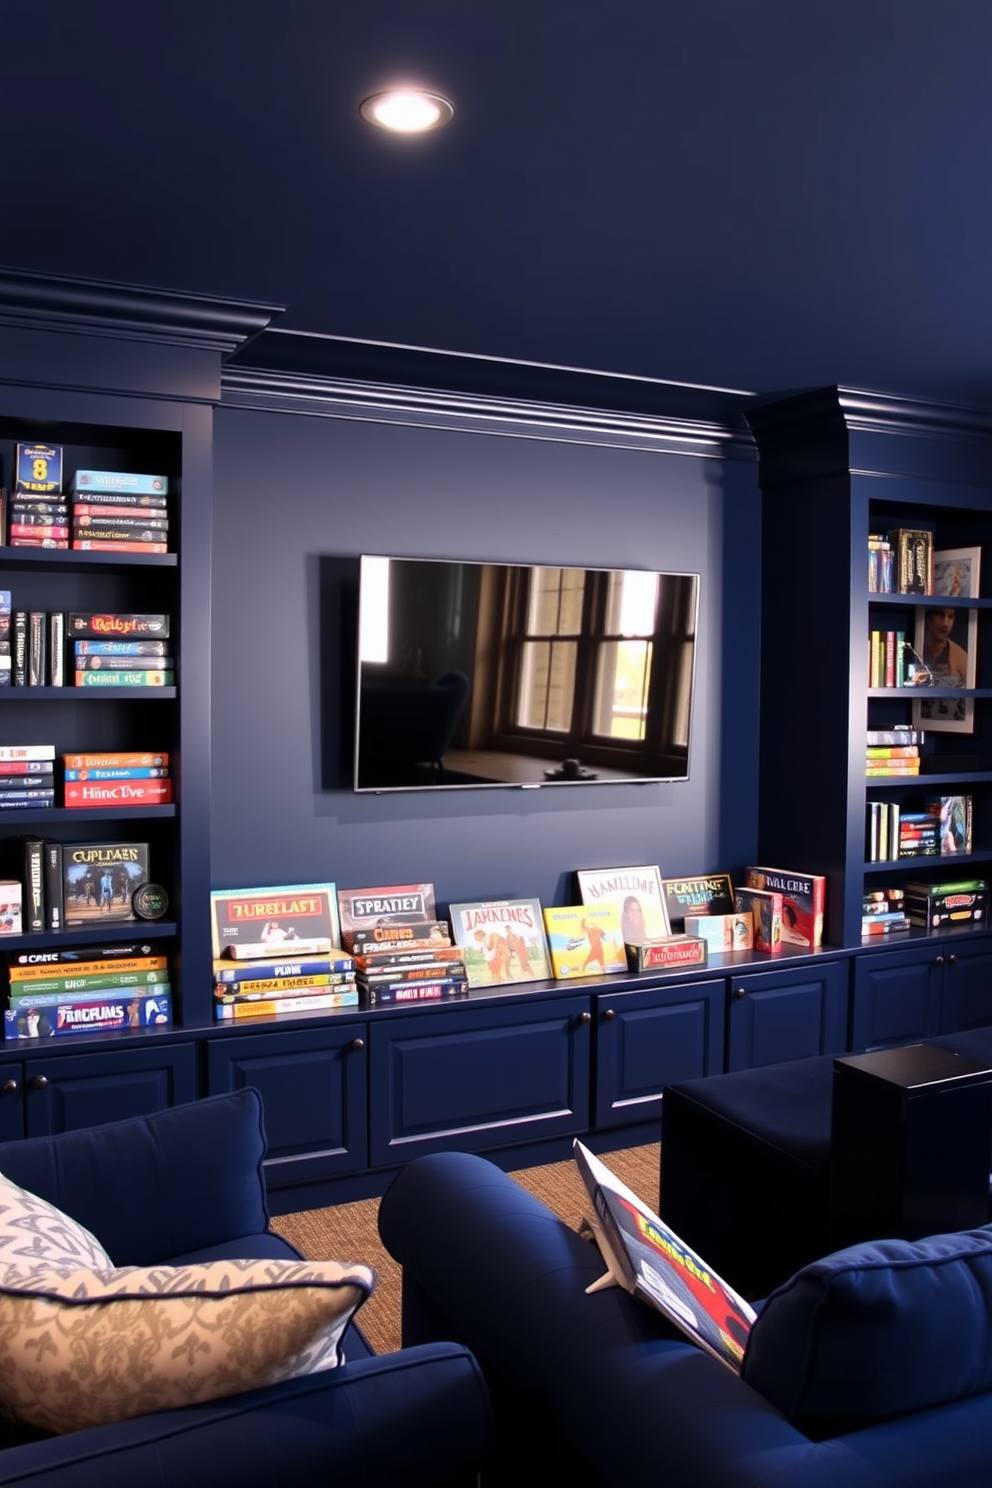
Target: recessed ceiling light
{"points": [[406, 110]]}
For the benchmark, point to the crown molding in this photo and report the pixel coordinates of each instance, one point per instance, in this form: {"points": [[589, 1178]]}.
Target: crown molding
{"points": [[63, 303], [868, 412]]}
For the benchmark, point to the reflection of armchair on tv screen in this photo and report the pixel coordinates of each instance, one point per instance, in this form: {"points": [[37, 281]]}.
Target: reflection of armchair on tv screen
{"points": [[404, 725]]}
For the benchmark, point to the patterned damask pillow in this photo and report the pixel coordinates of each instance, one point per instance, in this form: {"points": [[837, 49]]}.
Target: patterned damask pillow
{"points": [[32, 1231], [84, 1347]]}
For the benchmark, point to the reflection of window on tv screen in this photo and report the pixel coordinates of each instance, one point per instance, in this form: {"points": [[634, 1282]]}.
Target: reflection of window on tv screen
{"points": [[515, 674]]}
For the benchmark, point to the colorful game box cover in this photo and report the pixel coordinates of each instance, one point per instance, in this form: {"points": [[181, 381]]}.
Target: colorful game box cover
{"points": [[99, 880], [585, 939], [390, 904], [803, 901], [142, 1010], [637, 893], [290, 920], [502, 941], [708, 893]]}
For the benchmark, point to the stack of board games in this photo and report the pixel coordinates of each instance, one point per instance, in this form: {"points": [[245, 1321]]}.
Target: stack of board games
{"points": [[6, 661], [934, 904], [27, 776], [124, 778], [119, 511], [585, 940], [133, 649], [403, 953], [277, 953], [37, 513], [502, 941], [803, 901], [109, 989], [883, 912]]}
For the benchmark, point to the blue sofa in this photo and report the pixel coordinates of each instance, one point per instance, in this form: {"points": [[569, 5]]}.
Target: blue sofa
{"points": [[187, 1185], [598, 1389]]}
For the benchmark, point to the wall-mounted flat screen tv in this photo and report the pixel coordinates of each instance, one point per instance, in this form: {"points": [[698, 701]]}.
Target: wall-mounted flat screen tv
{"points": [[481, 674]]}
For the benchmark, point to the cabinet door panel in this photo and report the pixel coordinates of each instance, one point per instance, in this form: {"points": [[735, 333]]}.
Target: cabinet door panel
{"points": [[896, 997], [788, 1014], [11, 1102], [966, 989], [313, 1087], [649, 1039], [76, 1090], [479, 1078]]}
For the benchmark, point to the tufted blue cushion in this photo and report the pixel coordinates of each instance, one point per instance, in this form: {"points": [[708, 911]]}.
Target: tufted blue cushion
{"points": [[877, 1330]]}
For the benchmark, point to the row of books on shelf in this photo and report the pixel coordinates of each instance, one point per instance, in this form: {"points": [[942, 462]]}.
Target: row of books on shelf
{"points": [[305, 948], [33, 777], [44, 648], [100, 511], [940, 827], [932, 904]]}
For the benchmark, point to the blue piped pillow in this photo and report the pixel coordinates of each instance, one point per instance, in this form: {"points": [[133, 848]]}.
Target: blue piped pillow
{"points": [[876, 1331]]}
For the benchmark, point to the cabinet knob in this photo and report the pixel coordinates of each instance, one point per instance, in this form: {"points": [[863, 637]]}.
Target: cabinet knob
{"points": [[610, 1014], [740, 992], [10, 1087], [358, 1044], [585, 1017], [39, 1082], [938, 960], [952, 960]]}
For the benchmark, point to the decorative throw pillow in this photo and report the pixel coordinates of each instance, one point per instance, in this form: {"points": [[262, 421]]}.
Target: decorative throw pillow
{"points": [[32, 1231], [84, 1347], [876, 1331]]}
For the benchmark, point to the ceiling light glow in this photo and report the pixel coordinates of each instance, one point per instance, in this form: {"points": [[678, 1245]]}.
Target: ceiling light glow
{"points": [[406, 110]]}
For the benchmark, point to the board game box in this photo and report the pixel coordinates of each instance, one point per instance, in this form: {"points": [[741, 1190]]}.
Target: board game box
{"points": [[502, 941]]}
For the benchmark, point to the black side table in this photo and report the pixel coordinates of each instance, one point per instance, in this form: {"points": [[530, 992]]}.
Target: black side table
{"points": [[909, 1144]]}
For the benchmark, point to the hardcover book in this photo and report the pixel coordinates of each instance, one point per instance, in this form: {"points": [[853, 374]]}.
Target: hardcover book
{"points": [[99, 880], [637, 893], [709, 893], [390, 904], [585, 939], [289, 920], [502, 941], [803, 901]]}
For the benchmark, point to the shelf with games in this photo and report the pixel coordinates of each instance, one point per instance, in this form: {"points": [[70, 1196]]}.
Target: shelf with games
{"points": [[103, 433], [843, 474]]}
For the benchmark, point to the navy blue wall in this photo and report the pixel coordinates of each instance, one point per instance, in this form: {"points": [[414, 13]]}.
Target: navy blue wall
{"points": [[293, 495]]}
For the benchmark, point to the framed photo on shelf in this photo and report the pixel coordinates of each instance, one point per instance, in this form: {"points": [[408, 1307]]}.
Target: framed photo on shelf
{"points": [[946, 642], [956, 572]]}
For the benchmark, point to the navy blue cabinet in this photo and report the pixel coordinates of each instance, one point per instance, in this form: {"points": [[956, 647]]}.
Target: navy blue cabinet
{"points": [[787, 1014], [650, 1038], [314, 1087], [65, 1092], [930, 987], [489, 1075]]}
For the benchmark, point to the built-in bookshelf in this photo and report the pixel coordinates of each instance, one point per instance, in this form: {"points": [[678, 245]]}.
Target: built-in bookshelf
{"points": [[838, 469]]}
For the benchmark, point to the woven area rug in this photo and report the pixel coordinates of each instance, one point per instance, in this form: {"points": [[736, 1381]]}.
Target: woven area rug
{"points": [[348, 1232]]}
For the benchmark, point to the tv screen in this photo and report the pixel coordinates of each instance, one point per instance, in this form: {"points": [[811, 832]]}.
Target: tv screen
{"points": [[504, 674]]}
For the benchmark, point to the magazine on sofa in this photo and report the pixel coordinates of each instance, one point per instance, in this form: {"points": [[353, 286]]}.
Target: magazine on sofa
{"points": [[649, 1260]]}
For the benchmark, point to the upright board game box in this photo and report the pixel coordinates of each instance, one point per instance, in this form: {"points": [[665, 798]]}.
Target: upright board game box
{"points": [[637, 893], [290, 920], [100, 879], [502, 940], [804, 898], [585, 940], [765, 908], [708, 893], [389, 904]]}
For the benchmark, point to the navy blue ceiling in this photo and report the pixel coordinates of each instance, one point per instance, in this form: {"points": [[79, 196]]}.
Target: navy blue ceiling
{"points": [[752, 194]]}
